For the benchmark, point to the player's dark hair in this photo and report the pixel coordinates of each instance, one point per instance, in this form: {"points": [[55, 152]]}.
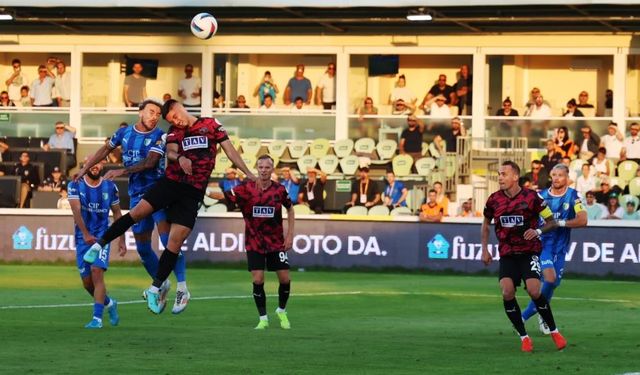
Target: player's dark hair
{"points": [[266, 156], [513, 166], [146, 102], [166, 107], [268, 96]]}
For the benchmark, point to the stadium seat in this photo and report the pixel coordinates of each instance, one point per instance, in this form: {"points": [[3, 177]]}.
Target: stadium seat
{"points": [[302, 209], [45, 199], [364, 146], [235, 141], [296, 150], [328, 164], [343, 148], [319, 147], [277, 148], [617, 181], [358, 211], [386, 150], [634, 186], [402, 165], [627, 170], [425, 149], [433, 150], [276, 160], [222, 163], [424, 166], [349, 165], [218, 207], [249, 160], [9, 191], [379, 210], [305, 162], [415, 199], [250, 146], [400, 211], [623, 199]]}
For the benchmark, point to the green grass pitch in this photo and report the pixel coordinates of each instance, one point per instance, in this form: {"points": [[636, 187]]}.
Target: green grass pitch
{"points": [[342, 323]]}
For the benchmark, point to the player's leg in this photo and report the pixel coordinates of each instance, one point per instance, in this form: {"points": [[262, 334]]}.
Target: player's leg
{"points": [[101, 300], [84, 269], [256, 264], [510, 278], [142, 231], [279, 262], [182, 293], [548, 273]]}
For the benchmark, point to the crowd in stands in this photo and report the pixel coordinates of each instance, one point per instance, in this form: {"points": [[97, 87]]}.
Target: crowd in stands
{"points": [[51, 88]]}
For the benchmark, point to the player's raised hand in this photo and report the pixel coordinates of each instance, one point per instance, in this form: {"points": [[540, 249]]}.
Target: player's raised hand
{"points": [[185, 164], [79, 175], [530, 234], [114, 173]]}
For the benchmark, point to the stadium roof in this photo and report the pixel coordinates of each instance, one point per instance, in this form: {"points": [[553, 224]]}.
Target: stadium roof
{"points": [[238, 17]]}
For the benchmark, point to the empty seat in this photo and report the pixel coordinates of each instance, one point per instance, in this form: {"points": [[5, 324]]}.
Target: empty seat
{"points": [[9, 191], [249, 160], [277, 148], [365, 146], [296, 150], [218, 207], [319, 147], [379, 210], [424, 166], [45, 199], [349, 165], [402, 165], [627, 170], [343, 148], [400, 211], [634, 186], [235, 141], [328, 164], [302, 209], [386, 151], [222, 163], [357, 211], [305, 162], [250, 146]]}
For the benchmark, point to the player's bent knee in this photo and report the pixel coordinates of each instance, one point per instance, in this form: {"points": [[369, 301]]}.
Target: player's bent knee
{"points": [[141, 210]]}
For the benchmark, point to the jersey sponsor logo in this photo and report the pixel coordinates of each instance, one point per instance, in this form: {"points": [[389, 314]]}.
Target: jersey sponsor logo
{"points": [[438, 247], [195, 142], [510, 221], [264, 211]]}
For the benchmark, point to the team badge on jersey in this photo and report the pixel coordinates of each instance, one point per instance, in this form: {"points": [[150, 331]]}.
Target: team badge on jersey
{"points": [[203, 131], [105, 196], [565, 206], [510, 221], [195, 142], [263, 211], [147, 141]]}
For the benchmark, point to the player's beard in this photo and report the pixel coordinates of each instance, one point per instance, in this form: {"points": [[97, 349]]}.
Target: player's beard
{"points": [[93, 176]]}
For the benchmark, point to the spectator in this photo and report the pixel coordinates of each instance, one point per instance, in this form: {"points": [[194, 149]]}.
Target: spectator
{"points": [[368, 126], [630, 213], [439, 109], [583, 100], [298, 86], [535, 93], [449, 137], [602, 196], [402, 92], [51, 64], [364, 192], [63, 201], [539, 109], [464, 91], [441, 197], [268, 105], [507, 109], [440, 88], [3, 147], [62, 139], [166, 97], [588, 143], [190, 88], [564, 145], [63, 85], [29, 178], [631, 145], [572, 110], [218, 100], [612, 141], [552, 157], [56, 181], [608, 100], [267, 86], [25, 98], [41, 89], [229, 181], [241, 104], [586, 181], [367, 108], [573, 176], [16, 81], [291, 183], [524, 182], [401, 108], [466, 209], [312, 192], [298, 106], [601, 164], [5, 101], [395, 194], [135, 87], [538, 175], [614, 211], [595, 210], [326, 88], [411, 137], [431, 211]]}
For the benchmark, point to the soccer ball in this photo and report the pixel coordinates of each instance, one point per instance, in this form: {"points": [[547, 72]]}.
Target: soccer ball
{"points": [[204, 26]]}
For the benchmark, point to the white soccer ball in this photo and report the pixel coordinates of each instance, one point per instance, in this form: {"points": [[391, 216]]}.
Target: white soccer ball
{"points": [[204, 26]]}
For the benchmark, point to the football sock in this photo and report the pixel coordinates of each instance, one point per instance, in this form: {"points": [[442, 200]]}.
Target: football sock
{"points": [[164, 238], [548, 289], [260, 298], [107, 301], [283, 295], [116, 229], [167, 263], [97, 310], [544, 309], [148, 257], [529, 311], [512, 309], [181, 268]]}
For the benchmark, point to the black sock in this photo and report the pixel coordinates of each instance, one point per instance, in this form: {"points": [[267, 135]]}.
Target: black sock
{"points": [[166, 264], [260, 298], [544, 309], [283, 295], [116, 229], [515, 316]]}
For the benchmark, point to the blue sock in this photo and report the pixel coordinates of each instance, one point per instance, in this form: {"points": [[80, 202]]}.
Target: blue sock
{"points": [[97, 310], [148, 257], [181, 268], [529, 311], [548, 288], [164, 238], [107, 300]]}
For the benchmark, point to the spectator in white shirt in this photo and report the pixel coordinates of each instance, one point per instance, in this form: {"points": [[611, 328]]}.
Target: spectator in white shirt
{"points": [[539, 109], [41, 88], [298, 106], [190, 88], [16, 80], [612, 141], [63, 85], [595, 210], [401, 108], [631, 145], [326, 88], [439, 108], [614, 211], [586, 182], [268, 105], [601, 163], [402, 92]]}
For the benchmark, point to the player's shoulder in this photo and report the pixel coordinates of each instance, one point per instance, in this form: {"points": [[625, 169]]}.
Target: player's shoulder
{"points": [[495, 196]]}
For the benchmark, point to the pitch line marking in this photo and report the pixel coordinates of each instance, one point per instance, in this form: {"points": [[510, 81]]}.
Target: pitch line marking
{"points": [[323, 294]]}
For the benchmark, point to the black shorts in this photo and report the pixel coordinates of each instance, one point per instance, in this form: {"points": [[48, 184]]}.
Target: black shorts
{"points": [[274, 261], [522, 266], [180, 201]]}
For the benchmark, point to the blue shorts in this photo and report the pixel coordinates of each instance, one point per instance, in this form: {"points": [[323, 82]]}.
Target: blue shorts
{"points": [[552, 258], [102, 261], [146, 224]]}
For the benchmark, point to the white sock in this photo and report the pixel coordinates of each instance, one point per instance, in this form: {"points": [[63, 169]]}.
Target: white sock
{"points": [[98, 319], [279, 310], [182, 285], [154, 289], [523, 337], [264, 317], [555, 331]]}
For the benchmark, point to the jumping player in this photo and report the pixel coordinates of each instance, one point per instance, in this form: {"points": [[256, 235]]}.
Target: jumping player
{"points": [[515, 212], [265, 243], [143, 151], [90, 199], [568, 212], [191, 152]]}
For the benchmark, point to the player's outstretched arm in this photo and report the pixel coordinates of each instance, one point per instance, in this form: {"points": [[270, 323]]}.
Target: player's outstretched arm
{"points": [[89, 239], [235, 157], [484, 239], [99, 156], [150, 162]]}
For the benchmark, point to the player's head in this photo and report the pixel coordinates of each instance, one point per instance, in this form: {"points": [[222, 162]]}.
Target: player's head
{"points": [[149, 113], [508, 175], [265, 167], [175, 114], [94, 172], [559, 176]]}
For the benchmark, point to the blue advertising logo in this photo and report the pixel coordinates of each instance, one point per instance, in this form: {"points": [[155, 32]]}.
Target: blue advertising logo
{"points": [[438, 247], [22, 239]]}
